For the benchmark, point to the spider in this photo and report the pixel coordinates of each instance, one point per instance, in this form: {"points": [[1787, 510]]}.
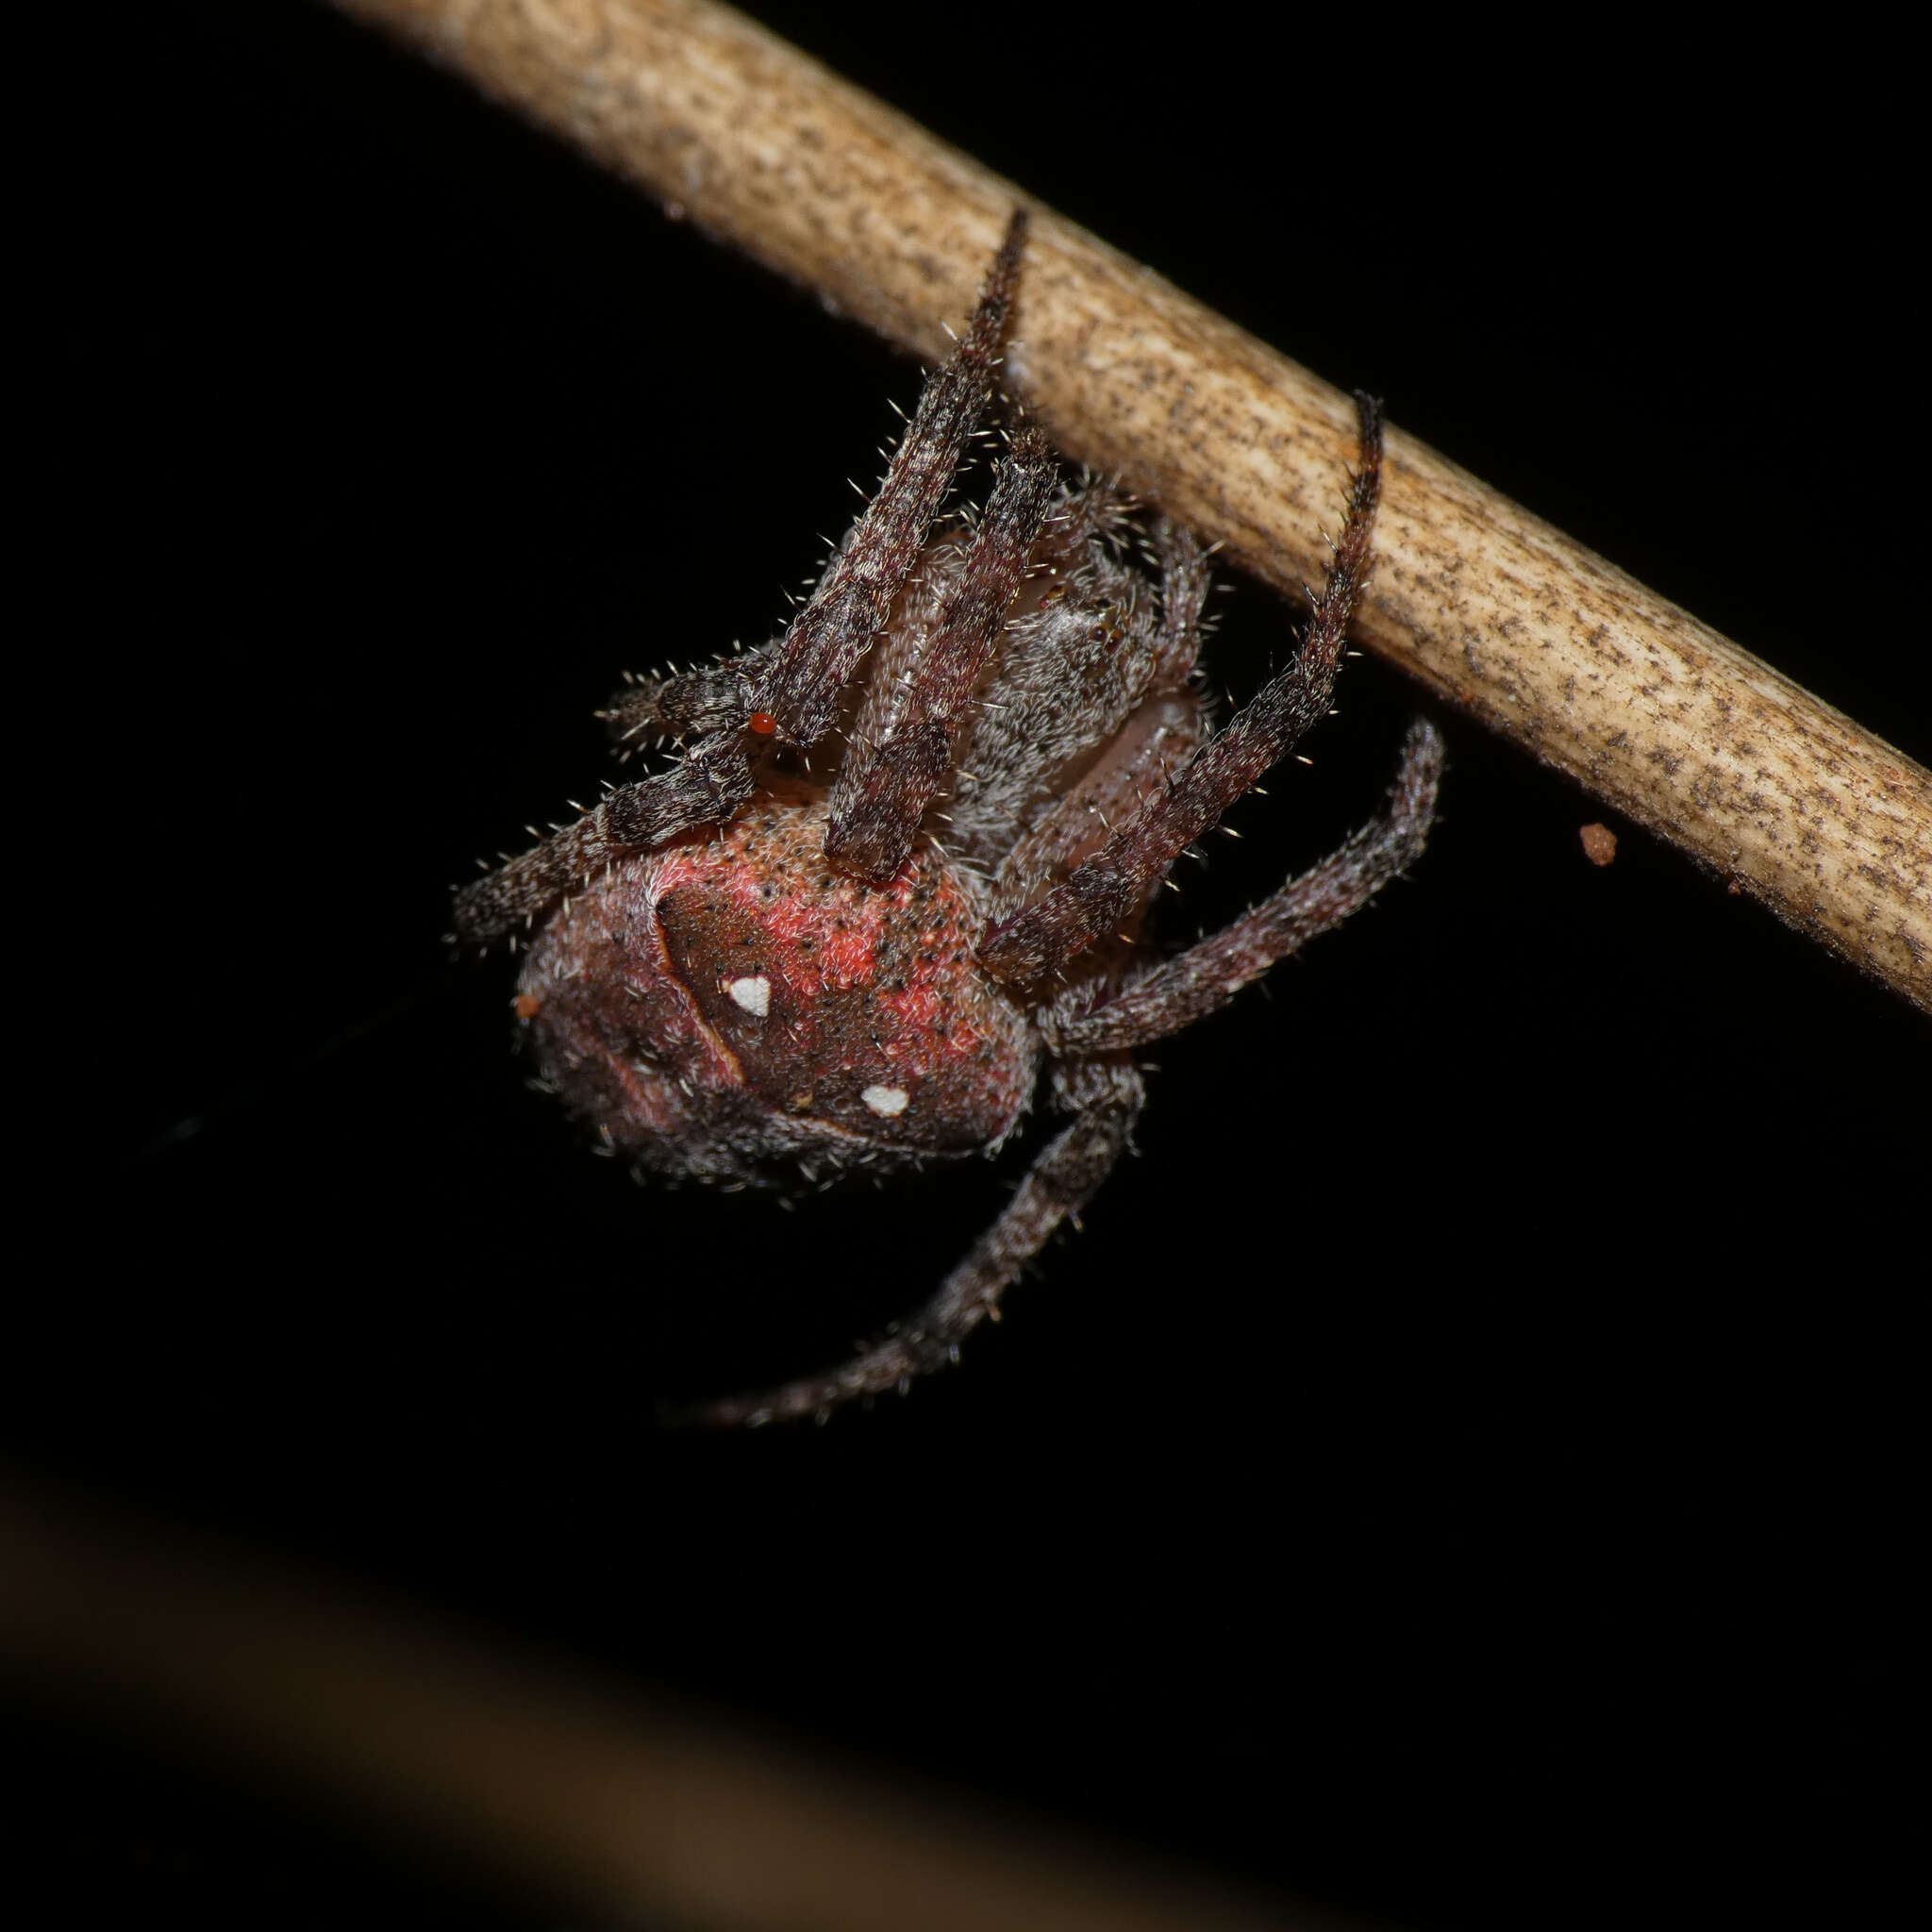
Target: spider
{"points": [[909, 846]]}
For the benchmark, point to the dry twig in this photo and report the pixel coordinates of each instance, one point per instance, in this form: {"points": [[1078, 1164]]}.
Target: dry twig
{"points": [[569, 1788], [1544, 642]]}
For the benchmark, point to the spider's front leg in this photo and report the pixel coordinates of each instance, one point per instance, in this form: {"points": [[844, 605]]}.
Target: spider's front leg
{"points": [[795, 692], [1106, 1096], [885, 786], [799, 689], [1102, 891]]}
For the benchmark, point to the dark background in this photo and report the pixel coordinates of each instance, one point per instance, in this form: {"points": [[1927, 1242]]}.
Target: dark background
{"points": [[1461, 1472]]}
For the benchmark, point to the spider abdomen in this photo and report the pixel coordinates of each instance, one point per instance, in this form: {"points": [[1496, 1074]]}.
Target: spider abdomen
{"points": [[732, 1008]]}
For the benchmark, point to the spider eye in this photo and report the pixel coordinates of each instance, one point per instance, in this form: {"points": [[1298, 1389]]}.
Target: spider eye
{"points": [[763, 724]]}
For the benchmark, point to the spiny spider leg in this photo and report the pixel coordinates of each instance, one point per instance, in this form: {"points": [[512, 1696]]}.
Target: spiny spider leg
{"points": [[1204, 978], [691, 704], [1156, 740], [800, 688], [799, 684], [1060, 1182], [1102, 890], [883, 788], [1185, 581], [710, 784]]}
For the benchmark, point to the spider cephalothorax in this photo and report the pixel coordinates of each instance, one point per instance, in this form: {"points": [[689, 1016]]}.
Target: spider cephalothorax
{"points": [[907, 848]]}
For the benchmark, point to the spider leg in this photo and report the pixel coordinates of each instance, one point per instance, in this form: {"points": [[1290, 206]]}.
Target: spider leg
{"points": [[1039, 776], [1154, 742], [710, 783], [801, 683], [692, 704], [883, 786], [1206, 977], [1102, 890], [1185, 581], [1061, 1181]]}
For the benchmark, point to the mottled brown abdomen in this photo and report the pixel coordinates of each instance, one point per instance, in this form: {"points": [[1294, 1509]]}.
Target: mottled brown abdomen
{"points": [[731, 1008]]}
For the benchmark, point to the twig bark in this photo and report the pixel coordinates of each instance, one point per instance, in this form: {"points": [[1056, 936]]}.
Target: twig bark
{"points": [[1515, 623]]}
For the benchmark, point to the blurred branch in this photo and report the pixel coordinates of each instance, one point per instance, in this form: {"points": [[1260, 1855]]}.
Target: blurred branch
{"points": [[1542, 642], [586, 1793]]}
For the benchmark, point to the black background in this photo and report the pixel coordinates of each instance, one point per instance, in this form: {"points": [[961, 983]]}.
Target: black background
{"points": [[1461, 1470]]}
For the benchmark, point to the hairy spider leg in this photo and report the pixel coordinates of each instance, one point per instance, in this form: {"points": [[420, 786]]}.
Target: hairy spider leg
{"points": [[705, 787], [802, 681], [1204, 978], [797, 688], [1070, 1169], [689, 703], [1144, 753], [1102, 890], [884, 788], [1145, 749], [1186, 579]]}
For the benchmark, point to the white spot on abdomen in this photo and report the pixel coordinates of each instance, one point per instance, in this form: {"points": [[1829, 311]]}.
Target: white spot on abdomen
{"points": [[754, 995], [885, 1099]]}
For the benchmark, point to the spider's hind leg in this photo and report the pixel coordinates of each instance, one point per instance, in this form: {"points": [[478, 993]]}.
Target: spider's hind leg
{"points": [[1194, 983], [1067, 1175]]}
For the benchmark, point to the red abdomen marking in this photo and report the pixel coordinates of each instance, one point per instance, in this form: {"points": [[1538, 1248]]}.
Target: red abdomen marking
{"points": [[731, 1006], [860, 1005]]}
